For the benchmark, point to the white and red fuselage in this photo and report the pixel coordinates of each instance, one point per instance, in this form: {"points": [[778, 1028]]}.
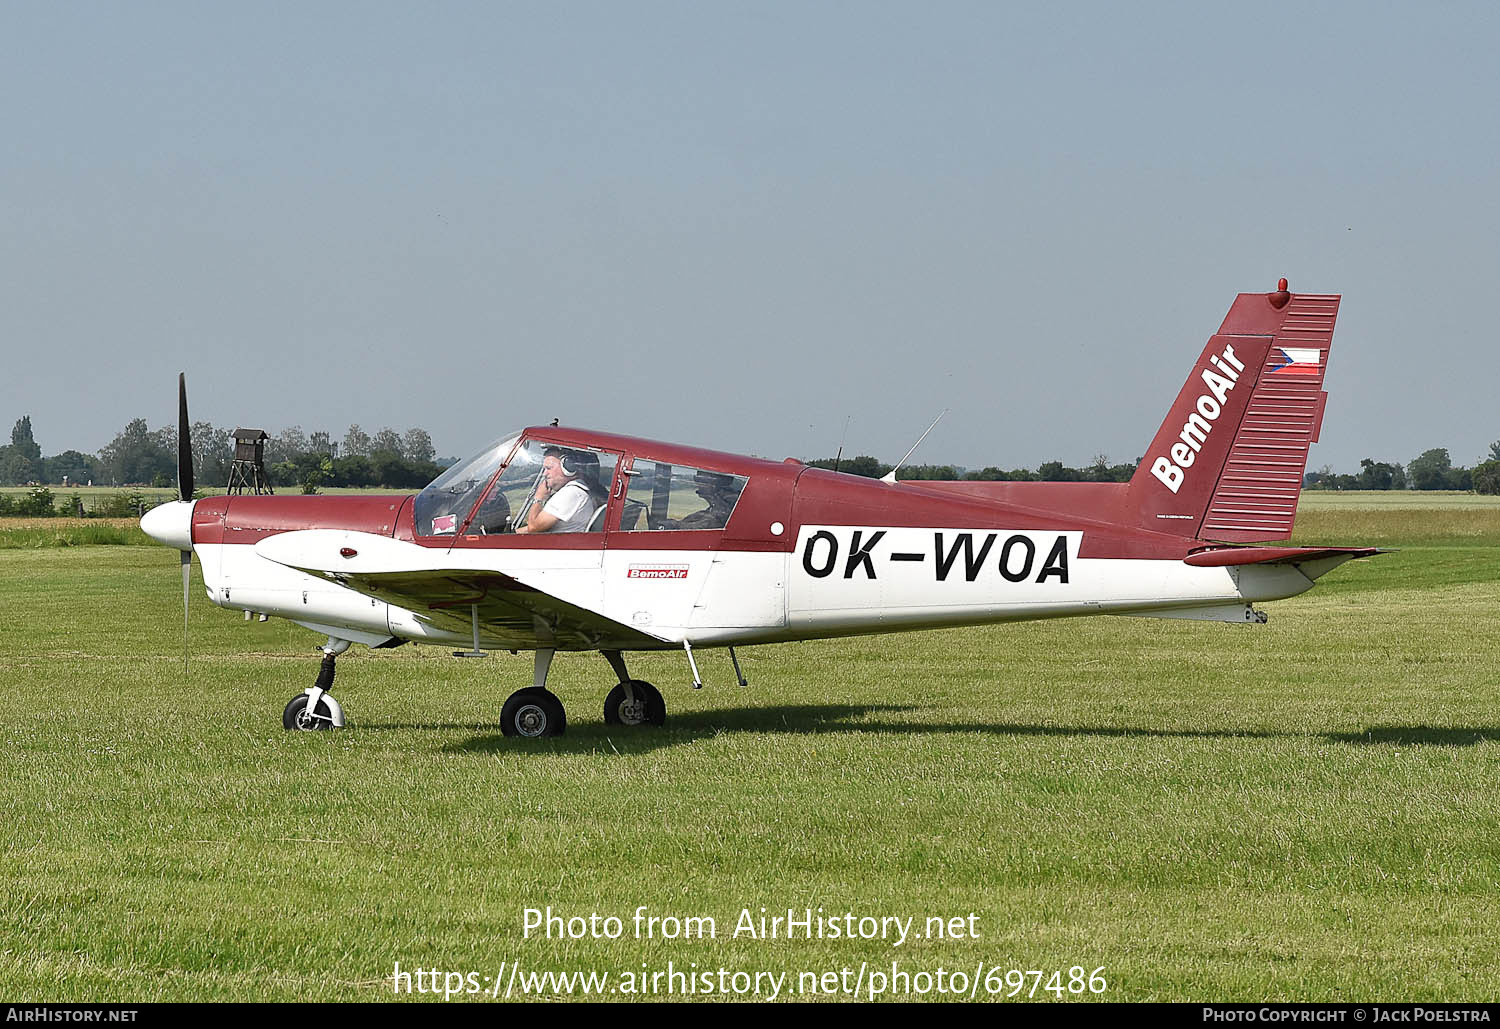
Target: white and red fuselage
{"points": [[808, 553]]}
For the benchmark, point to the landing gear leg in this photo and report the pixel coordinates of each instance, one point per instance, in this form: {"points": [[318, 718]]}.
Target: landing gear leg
{"points": [[535, 711], [633, 701], [315, 708]]}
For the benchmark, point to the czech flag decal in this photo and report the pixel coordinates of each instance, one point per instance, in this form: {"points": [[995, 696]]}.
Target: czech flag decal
{"points": [[1298, 361]]}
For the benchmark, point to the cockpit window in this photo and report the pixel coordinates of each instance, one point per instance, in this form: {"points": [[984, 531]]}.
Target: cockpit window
{"points": [[441, 508], [548, 488], [543, 486], [664, 496]]}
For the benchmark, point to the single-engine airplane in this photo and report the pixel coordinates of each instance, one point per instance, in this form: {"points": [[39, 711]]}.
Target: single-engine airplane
{"points": [[562, 539]]}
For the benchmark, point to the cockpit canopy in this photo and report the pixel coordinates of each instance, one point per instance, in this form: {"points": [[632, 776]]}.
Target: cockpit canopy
{"points": [[495, 490]]}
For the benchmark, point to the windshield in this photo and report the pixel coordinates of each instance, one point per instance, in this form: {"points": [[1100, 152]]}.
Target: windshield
{"points": [[441, 508]]}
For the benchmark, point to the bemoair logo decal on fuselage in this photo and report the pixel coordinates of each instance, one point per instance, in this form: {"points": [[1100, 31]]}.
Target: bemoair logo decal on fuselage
{"points": [[950, 555], [657, 572], [1200, 423]]}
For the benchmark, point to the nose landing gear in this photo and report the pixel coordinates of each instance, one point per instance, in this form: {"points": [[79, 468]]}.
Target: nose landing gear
{"points": [[315, 708]]}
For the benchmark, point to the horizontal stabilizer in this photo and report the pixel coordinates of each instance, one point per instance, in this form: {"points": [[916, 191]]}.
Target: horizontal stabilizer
{"points": [[1221, 557]]}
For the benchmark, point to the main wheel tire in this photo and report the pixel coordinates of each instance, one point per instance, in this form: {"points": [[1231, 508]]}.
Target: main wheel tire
{"points": [[533, 712], [648, 708], [295, 715]]}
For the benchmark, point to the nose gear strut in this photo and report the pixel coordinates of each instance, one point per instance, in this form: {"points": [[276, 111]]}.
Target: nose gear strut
{"points": [[315, 708]]}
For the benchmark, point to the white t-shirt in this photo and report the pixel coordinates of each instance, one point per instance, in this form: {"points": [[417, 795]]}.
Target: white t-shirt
{"points": [[572, 506]]}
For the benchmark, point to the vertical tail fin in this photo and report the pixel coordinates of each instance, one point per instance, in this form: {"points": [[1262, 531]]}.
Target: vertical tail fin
{"points": [[1227, 463]]}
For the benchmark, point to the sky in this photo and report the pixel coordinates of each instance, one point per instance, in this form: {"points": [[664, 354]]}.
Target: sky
{"points": [[758, 227]]}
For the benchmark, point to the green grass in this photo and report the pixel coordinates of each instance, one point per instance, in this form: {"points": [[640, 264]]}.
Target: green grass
{"points": [[1307, 810], [96, 497], [1389, 499], [39, 533], [1396, 517]]}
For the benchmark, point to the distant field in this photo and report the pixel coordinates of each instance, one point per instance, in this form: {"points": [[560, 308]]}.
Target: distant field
{"points": [[1396, 518], [94, 497], [1306, 810], [90, 494], [93, 493], [32, 533], [1387, 499]]}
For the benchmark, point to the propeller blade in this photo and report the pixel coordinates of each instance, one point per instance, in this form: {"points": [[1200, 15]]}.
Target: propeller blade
{"points": [[187, 571], [184, 442]]}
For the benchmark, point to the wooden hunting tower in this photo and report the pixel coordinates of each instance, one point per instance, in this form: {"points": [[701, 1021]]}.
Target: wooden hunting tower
{"points": [[249, 468]]}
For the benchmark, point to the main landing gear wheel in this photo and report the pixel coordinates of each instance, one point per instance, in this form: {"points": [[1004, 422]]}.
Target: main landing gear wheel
{"points": [[296, 716], [647, 707], [533, 712]]}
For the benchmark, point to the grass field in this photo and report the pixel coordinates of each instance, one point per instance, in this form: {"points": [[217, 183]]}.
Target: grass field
{"points": [[1306, 810], [42, 533], [94, 497]]}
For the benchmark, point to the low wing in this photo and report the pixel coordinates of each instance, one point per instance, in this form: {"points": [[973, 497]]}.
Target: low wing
{"points": [[444, 588]]}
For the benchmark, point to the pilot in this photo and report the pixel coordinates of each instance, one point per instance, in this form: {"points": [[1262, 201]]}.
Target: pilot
{"points": [[718, 491], [568, 493]]}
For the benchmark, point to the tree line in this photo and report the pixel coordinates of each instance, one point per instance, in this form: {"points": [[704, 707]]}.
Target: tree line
{"points": [[1431, 470], [1051, 471], [141, 456]]}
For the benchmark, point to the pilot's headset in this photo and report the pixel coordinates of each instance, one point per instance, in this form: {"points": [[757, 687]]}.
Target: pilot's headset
{"points": [[583, 467], [577, 464]]}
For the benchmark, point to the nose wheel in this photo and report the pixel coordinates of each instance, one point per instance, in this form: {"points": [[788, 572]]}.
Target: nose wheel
{"points": [[297, 715], [315, 709]]}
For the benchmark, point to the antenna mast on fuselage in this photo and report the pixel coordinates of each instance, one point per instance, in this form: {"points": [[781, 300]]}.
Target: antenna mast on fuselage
{"points": [[890, 476]]}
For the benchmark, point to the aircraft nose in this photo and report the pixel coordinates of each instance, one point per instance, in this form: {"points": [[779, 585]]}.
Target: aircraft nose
{"points": [[170, 523]]}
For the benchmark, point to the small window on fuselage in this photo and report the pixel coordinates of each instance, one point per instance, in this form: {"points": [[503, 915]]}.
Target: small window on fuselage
{"points": [[665, 496]]}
